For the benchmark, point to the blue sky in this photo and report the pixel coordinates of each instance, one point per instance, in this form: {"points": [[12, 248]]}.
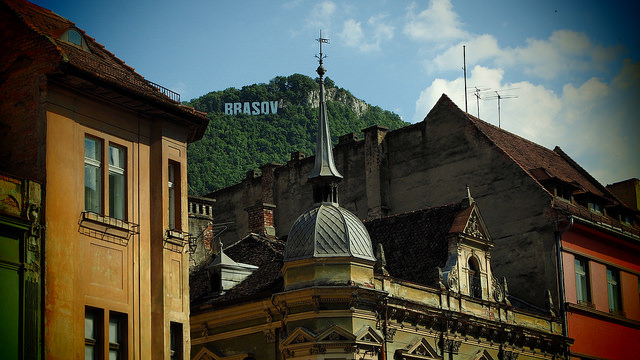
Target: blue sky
{"points": [[573, 66]]}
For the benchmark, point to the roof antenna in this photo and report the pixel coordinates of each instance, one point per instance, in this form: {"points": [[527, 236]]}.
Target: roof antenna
{"points": [[464, 69], [476, 92], [500, 97]]}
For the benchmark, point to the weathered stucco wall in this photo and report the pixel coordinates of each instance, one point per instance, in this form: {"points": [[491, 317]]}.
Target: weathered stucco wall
{"points": [[425, 164]]}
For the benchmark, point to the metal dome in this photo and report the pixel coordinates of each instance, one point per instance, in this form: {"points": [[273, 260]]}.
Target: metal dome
{"points": [[327, 230]]}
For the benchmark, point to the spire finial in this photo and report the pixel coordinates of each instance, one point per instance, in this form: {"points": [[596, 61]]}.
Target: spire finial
{"points": [[320, 70], [325, 176]]}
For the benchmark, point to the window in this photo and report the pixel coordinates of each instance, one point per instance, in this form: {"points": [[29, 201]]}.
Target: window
{"points": [[117, 336], [93, 175], [176, 340], [95, 342], [92, 333], [94, 187], [74, 37], [563, 192], [174, 196], [613, 288], [582, 281], [475, 287], [116, 182], [595, 207]]}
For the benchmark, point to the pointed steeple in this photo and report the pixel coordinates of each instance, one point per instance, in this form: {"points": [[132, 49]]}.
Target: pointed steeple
{"points": [[324, 177]]}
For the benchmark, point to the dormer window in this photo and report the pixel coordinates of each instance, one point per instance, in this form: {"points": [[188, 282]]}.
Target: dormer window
{"points": [[74, 36], [595, 207], [563, 192]]}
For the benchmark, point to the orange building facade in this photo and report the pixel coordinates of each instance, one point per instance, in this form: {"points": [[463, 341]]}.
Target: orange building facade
{"points": [[110, 148], [601, 276]]}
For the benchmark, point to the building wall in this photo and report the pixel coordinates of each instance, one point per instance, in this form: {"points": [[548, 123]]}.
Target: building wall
{"points": [[20, 268], [139, 279], [425, 164], [595, 330]]}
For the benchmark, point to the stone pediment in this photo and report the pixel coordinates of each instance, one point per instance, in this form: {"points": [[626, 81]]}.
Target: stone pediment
{"points": [[482, 355], [475, 226], [368, 335], [299, 336], [420, 349], [206, 354], [335, 333]]}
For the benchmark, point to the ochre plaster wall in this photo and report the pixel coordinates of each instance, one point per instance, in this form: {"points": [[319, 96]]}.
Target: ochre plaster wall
{"points": [[86, 271]]}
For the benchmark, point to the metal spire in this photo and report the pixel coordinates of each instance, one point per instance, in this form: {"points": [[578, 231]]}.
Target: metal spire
{"points": [[325, 176]]}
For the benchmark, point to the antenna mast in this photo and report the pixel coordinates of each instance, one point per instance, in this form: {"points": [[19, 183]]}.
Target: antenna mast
{"points": [[464, 69], [500, 97]]}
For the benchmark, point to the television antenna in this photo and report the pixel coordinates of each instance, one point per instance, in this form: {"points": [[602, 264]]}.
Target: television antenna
{"points": [[477, 92], [500, 97]]}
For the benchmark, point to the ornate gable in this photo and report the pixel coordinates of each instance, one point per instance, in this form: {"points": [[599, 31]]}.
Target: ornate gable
{"points": [[420, 349], [482, 355], [206, 354], [368, 335], [475, 226], [335, 333], [299, 336]]}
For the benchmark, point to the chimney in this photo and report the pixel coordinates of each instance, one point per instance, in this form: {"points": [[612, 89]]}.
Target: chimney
{"points": [[261, 215]]}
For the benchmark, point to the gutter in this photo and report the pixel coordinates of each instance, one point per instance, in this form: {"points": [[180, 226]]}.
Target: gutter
{"points": [[563, 304]]}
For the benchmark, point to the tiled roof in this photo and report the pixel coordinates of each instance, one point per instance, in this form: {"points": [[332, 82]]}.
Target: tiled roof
{"points": [[415, 243], [97, 63], [425, 232], [538, 162], [253, 250]]}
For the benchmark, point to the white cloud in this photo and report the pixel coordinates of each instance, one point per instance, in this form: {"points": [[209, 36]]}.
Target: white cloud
{"points": [[321, 15], [437, 23], [353, 35], [563, 52]]}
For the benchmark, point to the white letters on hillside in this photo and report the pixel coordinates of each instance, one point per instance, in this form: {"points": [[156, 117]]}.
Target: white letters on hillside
{"points": [[251, 108]]}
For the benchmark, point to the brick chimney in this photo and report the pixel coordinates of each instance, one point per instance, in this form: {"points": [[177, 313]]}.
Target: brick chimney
{"points": [[261, 215]]}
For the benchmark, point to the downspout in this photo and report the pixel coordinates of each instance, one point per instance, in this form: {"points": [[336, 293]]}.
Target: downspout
{"points": [[563, 306]]}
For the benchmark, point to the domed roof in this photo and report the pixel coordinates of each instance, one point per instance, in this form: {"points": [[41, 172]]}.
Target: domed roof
{"points": [[327, 230]]}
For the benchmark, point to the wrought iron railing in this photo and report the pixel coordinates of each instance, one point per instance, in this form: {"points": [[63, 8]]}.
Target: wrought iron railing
{"points": [[166, 92]]}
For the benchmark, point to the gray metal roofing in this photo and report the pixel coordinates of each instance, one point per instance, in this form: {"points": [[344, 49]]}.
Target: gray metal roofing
{"points": [[327, 230]]}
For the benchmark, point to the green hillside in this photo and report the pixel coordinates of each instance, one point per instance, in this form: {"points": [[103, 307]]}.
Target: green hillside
{"points": [[234, 144]]}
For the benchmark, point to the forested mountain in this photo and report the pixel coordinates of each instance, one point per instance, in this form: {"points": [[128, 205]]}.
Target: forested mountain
{"points": [[234, 144]]}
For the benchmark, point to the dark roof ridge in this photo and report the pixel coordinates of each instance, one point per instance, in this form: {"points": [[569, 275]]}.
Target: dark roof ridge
{"points": [[450, 205]]}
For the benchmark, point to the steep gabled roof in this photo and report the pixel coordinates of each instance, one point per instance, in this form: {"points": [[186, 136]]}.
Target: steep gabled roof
{"points": [[416, 243], [99, 66], [530, 156]]}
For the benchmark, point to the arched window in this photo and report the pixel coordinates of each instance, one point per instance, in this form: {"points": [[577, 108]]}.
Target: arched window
{"points": [[475, 286]]}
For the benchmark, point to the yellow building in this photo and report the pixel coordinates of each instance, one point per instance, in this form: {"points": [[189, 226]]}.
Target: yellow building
{"points": [[109, 148], [324, 294]]}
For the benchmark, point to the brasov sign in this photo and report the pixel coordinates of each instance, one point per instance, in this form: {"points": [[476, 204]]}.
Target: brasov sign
{"points": [[251, 108]]}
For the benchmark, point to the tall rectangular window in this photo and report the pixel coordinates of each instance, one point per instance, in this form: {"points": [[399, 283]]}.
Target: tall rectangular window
{"points": [[174, 196], [117, 336], [93, 333], [582, 281], [92, 175], [117, 191], [110, 197], [175, 348], [613, 288]]}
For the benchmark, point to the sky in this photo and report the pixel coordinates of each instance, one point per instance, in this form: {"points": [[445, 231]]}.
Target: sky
{"points": [[568, 72]]}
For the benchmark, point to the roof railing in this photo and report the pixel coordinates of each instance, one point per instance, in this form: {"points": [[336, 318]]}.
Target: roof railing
{"points": [[166, 92]]}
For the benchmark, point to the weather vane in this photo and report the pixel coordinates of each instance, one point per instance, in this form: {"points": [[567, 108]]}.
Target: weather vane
{"points": [[321, 40]]}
